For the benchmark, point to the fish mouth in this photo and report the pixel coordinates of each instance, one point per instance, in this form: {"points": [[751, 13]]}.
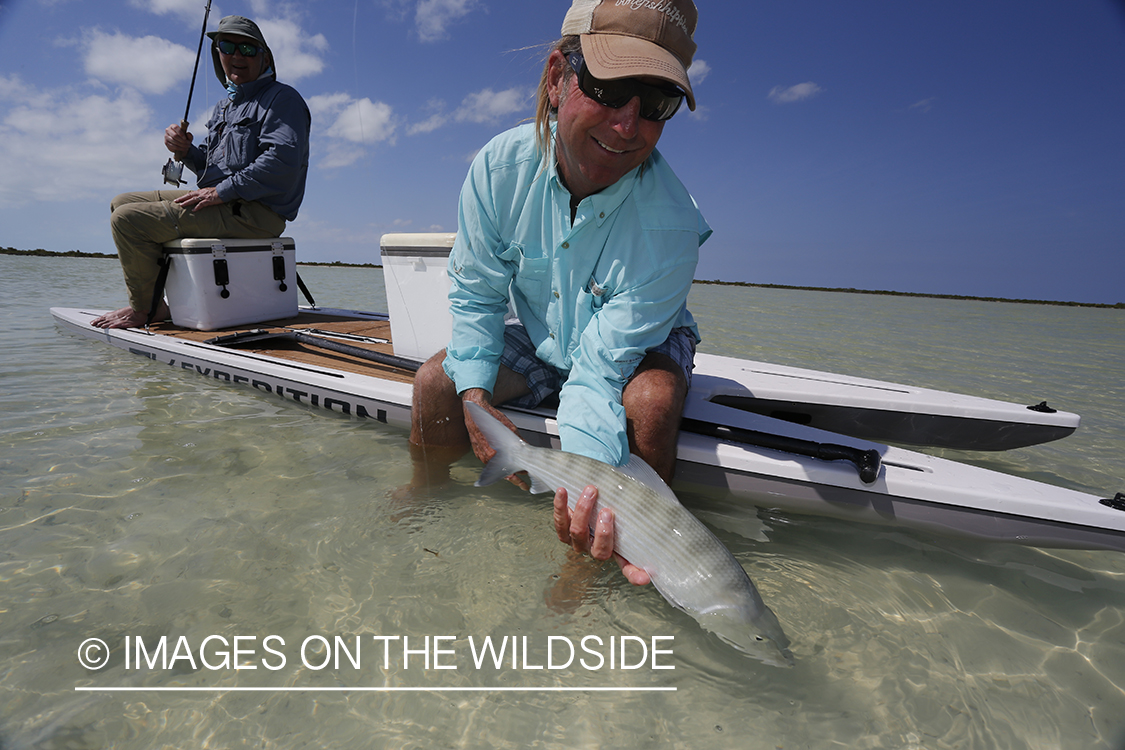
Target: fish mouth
{"points": [[755, 642], [763, 649]]}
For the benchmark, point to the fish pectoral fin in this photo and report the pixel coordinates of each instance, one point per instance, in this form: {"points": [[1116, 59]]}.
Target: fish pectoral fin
{"points": [[494, 471], [662, 590], [538, 486]]}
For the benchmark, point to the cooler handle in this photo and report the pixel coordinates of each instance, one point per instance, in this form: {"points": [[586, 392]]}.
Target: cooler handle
{"points": [[222, 274], [279, 265]]}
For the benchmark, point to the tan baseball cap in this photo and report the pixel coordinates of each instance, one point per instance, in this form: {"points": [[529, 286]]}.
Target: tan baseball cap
{"points": [[634, 38]]}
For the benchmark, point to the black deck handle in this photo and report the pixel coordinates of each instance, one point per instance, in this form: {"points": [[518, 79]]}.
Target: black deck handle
{"points": [[866, 462]]}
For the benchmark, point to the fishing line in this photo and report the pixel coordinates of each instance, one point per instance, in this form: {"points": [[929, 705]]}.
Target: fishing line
{"points": [[355, 70]]}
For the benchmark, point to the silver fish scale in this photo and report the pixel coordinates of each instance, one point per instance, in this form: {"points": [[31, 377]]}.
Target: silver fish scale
{"points": [[688, 565], [692, 569]]}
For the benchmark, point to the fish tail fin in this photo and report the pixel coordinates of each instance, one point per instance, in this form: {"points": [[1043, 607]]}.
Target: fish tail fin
{"points": [[505, 442]]}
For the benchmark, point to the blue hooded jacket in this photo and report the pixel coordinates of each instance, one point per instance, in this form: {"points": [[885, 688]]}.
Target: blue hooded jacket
{"points": [[257, 147]]}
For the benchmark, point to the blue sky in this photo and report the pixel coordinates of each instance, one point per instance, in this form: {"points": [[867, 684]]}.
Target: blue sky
{"points": [[939, 146]]}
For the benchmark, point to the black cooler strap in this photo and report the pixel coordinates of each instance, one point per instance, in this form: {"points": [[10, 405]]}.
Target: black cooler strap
{"points": [[158, 291], [305, 290]]}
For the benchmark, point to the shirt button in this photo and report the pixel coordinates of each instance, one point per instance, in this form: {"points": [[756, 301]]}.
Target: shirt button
{"points": [[556, 295], [601, 215], [552, 335], [566, 245]]}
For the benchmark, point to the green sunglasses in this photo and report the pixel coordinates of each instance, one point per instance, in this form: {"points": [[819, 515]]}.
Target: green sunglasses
{"points": [[247, 49]]}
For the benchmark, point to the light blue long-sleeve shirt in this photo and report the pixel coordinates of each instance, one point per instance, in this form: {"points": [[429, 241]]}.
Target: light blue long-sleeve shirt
{"points": [[594, 295], [257, 148]]}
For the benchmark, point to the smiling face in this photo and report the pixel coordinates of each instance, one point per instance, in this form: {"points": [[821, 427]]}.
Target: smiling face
{"points": [[596, 145], [240, 69]]}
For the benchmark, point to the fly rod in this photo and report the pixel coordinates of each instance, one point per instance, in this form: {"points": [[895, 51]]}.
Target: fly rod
{"points": [[173, 170]]}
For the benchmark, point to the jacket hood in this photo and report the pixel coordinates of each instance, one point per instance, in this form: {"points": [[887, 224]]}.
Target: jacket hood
{"points": [[238, 26]]}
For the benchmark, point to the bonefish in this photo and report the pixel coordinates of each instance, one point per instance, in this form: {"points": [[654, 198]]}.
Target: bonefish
{"points": [[688, 565]]}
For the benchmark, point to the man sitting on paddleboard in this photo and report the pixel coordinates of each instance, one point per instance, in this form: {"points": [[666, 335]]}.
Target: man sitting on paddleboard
{"points": [[251, 171], [582, 225]]}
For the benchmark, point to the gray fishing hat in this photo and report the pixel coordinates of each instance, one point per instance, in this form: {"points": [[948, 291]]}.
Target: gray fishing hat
{"points": [[238, 26]]}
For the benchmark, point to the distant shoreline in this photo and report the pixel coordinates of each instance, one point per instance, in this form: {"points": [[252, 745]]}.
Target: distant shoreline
{"points": [[337, 264], [1118, 306]]}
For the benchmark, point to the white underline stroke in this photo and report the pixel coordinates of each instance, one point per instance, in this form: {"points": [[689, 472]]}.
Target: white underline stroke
{"points": [[112, 689]]}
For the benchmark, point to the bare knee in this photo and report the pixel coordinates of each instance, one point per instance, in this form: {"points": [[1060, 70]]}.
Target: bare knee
{"points": [[436, 414], [654, 403], [658, 383]]}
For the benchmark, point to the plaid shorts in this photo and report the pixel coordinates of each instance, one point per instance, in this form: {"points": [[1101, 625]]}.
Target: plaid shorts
{"points": [[545, 381]]}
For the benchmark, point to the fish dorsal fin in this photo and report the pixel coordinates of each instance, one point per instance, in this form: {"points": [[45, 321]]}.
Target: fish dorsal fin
{"points": [[646, 475]]}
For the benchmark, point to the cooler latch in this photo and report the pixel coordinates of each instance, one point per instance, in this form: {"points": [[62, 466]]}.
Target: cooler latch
{"points": [[222, 273], [279, 264]]}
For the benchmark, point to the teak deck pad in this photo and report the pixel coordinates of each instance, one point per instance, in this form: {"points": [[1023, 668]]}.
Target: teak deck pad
{"points": [[308, 355]]}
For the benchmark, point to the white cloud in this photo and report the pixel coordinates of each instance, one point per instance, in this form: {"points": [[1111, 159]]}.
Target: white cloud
{"points": [[484, 107], [327, 105], [438, 119], [148, 63], [924, 105], [488, 106], [364, 121], [339, 154], [429, 125], [297, 54], [75, 144], [187, 10], [800, 92], [697, 72], [352, 125], [433, 17]]}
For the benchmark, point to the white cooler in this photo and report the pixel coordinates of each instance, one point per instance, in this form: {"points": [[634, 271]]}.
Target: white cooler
{"points": [[217, 283], [418, 292]]}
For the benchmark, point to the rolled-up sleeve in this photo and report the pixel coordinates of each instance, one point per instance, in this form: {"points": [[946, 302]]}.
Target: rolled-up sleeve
{"points": [[479, 276]]}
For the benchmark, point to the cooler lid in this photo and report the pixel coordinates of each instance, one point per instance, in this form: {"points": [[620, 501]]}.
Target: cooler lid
{"points": [[418, 244], [200, 245]]}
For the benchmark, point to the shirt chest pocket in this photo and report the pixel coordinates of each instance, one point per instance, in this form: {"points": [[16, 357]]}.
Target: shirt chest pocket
{"points": [[533, 277], [240, 141], [594, 295]]}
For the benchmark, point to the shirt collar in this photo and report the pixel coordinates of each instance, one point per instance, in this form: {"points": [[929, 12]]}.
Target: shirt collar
{"points": [[240, 93], [601, 205]]}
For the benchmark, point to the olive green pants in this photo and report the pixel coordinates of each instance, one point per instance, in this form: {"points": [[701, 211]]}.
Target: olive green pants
{"points": [[142, 222]]}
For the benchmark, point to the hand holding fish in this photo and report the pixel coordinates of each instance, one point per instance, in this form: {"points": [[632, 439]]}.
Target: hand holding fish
{"points": [[686, 563], [574, 529], [481, 447]]}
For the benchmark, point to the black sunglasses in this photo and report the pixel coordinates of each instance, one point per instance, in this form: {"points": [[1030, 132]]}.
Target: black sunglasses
{"points": [[247, 49], [657, 102]]}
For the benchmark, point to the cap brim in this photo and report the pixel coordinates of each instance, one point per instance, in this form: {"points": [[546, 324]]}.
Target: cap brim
{"points": [[611, 56], [214, 35]]}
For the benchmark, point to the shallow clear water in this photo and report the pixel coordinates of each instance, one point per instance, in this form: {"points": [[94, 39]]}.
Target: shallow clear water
{"points": [[140, 502]]}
